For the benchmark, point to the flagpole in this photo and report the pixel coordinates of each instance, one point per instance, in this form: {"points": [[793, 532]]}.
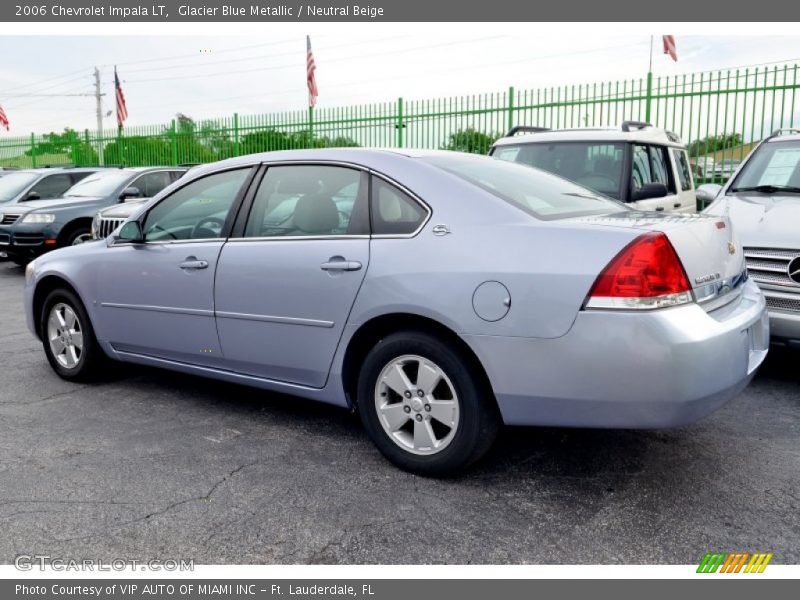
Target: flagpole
{"points": [[120, 145], [649, 97]]}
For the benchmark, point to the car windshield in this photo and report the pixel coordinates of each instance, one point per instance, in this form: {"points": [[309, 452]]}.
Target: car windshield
{"points": [[102, 183], [12, 184], [595, 165], [538, 193], [775, 167]]}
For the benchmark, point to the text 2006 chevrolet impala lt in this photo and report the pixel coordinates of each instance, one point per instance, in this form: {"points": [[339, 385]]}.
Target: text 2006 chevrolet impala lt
{"points": [[439, 294]]}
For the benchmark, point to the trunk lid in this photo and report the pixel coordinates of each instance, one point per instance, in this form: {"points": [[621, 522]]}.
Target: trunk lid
{"points": [[705, 244]]}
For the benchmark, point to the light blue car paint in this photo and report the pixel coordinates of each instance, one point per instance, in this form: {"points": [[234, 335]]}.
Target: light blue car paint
{"points": [[265, 314]]}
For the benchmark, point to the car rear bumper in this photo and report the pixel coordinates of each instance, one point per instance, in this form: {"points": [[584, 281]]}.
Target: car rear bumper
{"points": [[656, 369]]}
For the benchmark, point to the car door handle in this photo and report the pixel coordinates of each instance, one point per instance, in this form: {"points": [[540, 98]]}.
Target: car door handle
{"points": [[340, 265], [677, 205], [659, 208], [191, 264]]}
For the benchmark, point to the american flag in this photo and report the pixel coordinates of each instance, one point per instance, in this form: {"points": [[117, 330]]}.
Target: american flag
{"points": [[311, 66], [4, 119], [122, 108], [669, 46]]}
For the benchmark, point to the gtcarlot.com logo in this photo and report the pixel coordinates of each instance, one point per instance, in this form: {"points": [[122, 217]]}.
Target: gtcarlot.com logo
{"points": [[734, 562], [27, 562]]}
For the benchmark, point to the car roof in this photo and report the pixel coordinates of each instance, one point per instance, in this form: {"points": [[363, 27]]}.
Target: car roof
{"points": [[648, 135], [51, 170], [784, 137], [367, 157]]}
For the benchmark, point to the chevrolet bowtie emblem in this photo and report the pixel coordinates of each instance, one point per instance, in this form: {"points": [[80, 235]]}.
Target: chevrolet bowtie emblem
{"points": [[731, 248]]}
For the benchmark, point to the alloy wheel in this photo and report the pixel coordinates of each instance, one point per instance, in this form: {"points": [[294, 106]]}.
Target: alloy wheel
{"points": [[417, 405], [65, 336]]}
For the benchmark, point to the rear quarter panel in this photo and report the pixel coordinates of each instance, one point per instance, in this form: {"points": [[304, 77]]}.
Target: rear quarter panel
{"points": [[547, 267]]}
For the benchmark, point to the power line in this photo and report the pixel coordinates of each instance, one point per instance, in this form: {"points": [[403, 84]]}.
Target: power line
{"points": [[24, 106], [433, 72], [195, 54], [37, 83], [302, 58], [256, 57]]}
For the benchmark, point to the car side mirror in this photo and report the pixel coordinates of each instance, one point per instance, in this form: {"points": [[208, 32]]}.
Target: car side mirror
{"points": [[650, 190], [706, 194], [31, 196], [130, 192], [131, 233]]}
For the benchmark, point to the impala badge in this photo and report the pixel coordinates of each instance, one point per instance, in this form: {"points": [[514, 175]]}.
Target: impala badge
{"points": [[707, 278], [731, 248]]}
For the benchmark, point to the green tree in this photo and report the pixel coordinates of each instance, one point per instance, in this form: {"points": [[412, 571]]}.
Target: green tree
{"points": [[471, 140], [190, 148], [217, 139], [268, 140], [712, 143], [74, 147], [265, 140], [139, 151]]}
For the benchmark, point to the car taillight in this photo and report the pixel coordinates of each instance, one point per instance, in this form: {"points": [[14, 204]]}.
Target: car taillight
{"points": [[646, 274]]}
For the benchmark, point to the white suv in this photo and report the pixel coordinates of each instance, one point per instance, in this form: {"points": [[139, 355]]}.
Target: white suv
{"points": [[637, 163]]}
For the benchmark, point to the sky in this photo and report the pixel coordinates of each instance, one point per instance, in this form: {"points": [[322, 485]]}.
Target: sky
{"points": [[46, 82]]}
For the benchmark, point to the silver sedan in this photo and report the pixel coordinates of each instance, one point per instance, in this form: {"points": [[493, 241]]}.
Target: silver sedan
{"points": [[438, 294]]}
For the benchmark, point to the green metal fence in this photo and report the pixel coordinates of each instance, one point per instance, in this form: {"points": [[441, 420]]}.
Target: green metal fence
{"points": [[719, 115]]}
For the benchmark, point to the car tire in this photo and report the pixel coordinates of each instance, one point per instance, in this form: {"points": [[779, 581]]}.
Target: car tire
{"points": [[445, 419], [68, 339], [78, 236]]}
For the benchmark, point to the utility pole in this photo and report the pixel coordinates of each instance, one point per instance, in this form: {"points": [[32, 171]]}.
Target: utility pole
{"points": [[98, 96]]}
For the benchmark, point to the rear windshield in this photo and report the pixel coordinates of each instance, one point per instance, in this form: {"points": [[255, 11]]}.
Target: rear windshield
{"points": [[540, 194], [595, 165], [12, 184]]}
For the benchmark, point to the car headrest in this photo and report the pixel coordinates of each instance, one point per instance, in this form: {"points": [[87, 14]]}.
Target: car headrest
{"points": [[297, 185], [389, 206], [316, 214]]}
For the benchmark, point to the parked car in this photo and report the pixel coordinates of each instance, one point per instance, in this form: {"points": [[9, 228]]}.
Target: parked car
{"points": [[452, 293], [43, 225], [109, 219], [638, 164], [763, 203], [702, 166], [38, 184], [725, 168]]}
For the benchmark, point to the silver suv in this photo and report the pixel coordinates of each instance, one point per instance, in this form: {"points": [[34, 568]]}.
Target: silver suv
{"points": [[762, 200], [638, 164]]}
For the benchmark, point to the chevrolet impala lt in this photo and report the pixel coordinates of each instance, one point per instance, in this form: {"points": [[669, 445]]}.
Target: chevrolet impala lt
{"points": [[438, 294]]}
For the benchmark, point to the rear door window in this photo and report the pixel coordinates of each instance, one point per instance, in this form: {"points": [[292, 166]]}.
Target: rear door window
{"points": [[641, 171], [684, 174], [309, 201], [660, 162], [650, 165]]}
